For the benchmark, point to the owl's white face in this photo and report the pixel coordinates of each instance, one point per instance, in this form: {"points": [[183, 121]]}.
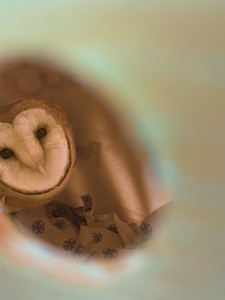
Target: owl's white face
{"points": [[38, 160]]}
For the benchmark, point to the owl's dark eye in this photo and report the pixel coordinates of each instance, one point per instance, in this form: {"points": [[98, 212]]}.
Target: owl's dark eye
{"points": [[6, 153], [41, 132]]}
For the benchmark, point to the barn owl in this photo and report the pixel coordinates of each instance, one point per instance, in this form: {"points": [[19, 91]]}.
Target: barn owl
{"points": [[37, 153]]}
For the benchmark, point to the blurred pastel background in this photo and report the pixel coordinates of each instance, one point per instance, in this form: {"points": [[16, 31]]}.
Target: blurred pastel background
{"points": [[161, 65]]}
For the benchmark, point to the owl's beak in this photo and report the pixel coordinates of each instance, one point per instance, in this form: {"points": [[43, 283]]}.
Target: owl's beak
{"points": [[42, 170], [34, 162], [2, 201]]}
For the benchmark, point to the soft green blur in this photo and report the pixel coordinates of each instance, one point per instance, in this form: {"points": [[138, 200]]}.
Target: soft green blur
{"points": [[163, 64]]}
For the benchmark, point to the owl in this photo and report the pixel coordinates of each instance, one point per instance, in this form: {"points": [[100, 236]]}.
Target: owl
{"points": [[37, 153]]}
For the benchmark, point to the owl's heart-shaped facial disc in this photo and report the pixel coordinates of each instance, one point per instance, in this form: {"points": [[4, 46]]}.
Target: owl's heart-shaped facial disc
{"points": [[35, 153]]}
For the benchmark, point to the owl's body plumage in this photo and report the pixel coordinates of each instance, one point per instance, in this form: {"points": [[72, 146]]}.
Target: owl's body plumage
{"points": [[37, 153]]}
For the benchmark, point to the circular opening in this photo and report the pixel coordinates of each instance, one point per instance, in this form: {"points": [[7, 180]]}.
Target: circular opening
{"points": [[113, 203]]}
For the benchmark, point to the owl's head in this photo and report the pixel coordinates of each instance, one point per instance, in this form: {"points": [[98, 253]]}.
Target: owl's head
{"points": [[37, 153]]}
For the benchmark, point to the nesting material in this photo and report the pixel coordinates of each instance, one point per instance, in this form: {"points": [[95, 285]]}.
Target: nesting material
{"points": [[80, 232]]}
